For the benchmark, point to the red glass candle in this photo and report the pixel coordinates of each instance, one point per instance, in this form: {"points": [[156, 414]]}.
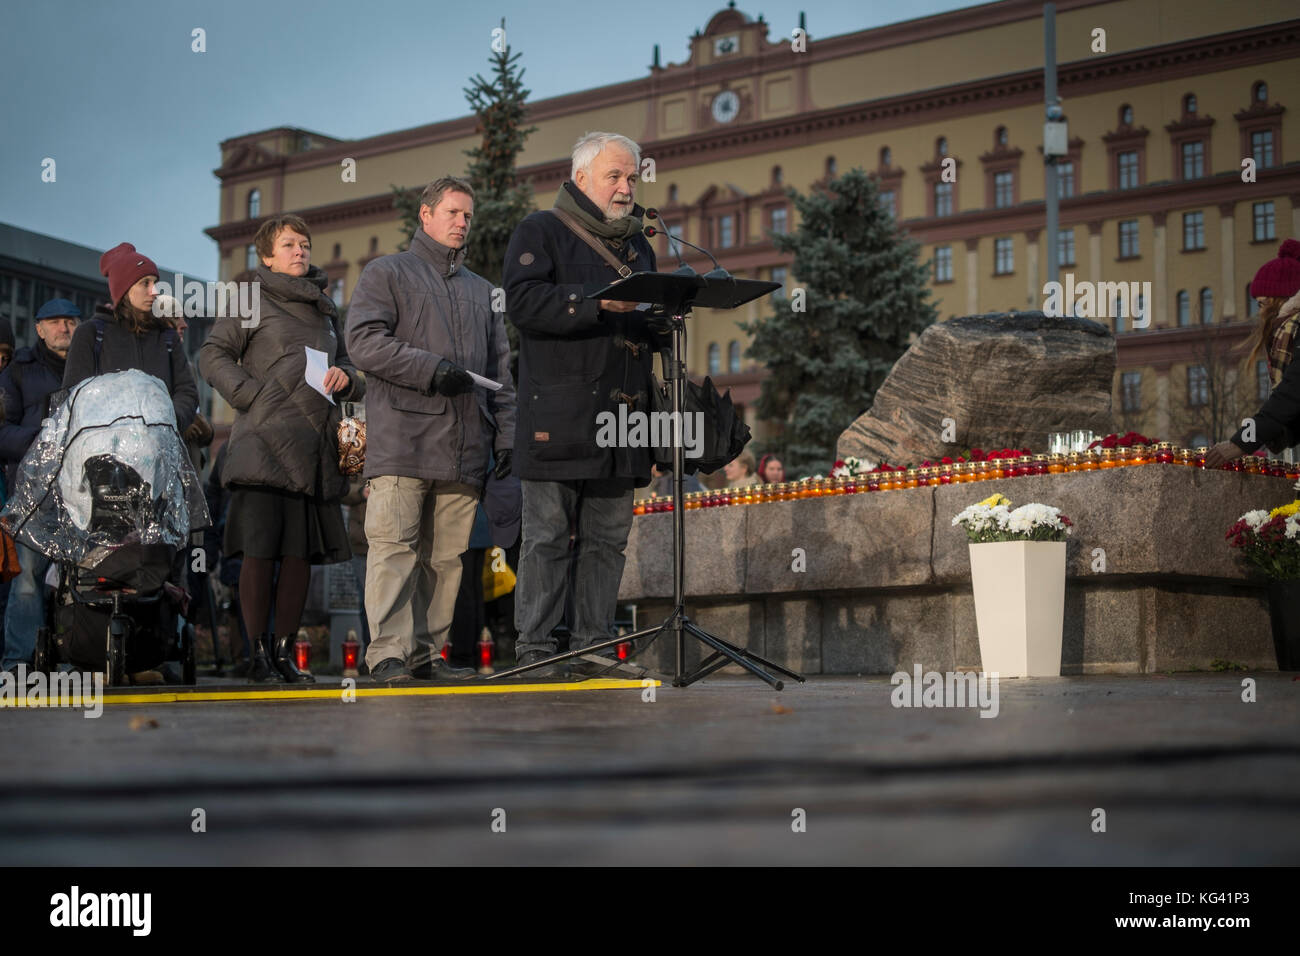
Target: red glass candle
{"points": [[302, 651]]}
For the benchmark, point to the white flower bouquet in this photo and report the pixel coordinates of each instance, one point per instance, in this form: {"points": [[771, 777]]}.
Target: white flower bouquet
{"points": [[993, 519]]}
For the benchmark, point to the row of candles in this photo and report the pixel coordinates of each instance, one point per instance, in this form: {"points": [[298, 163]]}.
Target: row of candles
{"points": [[1097, 459]]}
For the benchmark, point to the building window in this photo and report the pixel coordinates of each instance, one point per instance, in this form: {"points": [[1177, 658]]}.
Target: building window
{"points": [[943, 264], [1131, 391], [1004, 262], [1065, 247], [1126, 115], [715, 358], [1260, 93], [889, 203], [250, 256], [1252, 304], [672, 192], [1128, 169], [1261, 147], [780, 222], [254, 203], [1198, 385], [733, 357], [943, 199], [886, 157], [778, 177], [1207, 305], [831, 167], [1128, 239], [726, 231], [374, 245], [1189, 104], [336, 292], [1193, 159], [1184, 308], [1262, 384], [1263, 215], [1193, 231], [778, 275], [1000, 136], [1064, 180], [1002, 189], [941, 146]]}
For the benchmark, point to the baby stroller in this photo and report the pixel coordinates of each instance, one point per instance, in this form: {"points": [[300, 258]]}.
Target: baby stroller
{"points": [[108, 492]]}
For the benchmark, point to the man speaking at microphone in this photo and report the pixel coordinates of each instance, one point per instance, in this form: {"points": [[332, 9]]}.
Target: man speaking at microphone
{"points": [[578, 357]]}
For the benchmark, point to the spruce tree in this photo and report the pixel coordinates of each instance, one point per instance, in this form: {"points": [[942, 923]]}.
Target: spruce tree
{"points": [[500, 200], [861, 296]]}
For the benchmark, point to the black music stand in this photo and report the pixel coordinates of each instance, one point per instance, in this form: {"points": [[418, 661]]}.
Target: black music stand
{"points": [[675, 294]]}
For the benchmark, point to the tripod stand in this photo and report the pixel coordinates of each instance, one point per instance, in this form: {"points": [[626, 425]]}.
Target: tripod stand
{"points": [[676, 293]]}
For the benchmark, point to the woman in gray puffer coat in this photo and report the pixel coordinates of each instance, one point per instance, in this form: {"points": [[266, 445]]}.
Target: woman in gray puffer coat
{"points": [[282, 461]]}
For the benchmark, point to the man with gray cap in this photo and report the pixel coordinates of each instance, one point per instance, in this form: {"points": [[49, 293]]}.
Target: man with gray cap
{"points": [[26, 385]]}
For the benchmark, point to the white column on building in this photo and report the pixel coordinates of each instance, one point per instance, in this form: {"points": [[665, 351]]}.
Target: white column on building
{"points": [[972, 276], [1094, 252], [1032, 297], [1228, 261], [1160, 280], [1163, 420]]}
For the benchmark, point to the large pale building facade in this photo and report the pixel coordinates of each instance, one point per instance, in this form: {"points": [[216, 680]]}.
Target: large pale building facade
{"points": [[1163, 107]]}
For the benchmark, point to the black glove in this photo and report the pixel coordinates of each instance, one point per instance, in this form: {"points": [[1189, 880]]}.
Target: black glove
{"points": [[450, 379], [502, 470], [660, 323]]}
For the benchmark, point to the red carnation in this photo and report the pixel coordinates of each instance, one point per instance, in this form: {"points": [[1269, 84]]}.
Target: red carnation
{"points": [[945, 460]]}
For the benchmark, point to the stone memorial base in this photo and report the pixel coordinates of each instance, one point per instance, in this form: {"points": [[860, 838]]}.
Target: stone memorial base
{"points": [[874, 583]]}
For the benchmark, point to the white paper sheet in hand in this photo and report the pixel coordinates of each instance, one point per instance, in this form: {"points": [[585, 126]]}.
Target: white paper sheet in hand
{"points": [[485, 382], [318, 363]]}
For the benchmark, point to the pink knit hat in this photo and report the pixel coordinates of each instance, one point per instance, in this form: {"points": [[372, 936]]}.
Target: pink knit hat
{"points": [[125, 267], [1280, 277]]}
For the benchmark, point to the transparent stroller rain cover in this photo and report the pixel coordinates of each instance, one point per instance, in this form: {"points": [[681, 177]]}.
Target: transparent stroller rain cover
{"points": [[107, 468]]}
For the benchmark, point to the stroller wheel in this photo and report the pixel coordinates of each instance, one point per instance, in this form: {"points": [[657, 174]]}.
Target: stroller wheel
{"points": [[187, 656], [43, 660], [116, 654]]}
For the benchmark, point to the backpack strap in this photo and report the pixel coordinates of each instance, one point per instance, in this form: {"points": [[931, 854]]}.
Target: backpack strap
{"points": [[622, 268], [99, 340]]}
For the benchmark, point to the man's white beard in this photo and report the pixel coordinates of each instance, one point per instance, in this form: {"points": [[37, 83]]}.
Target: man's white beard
{"points": [[614, 211]]}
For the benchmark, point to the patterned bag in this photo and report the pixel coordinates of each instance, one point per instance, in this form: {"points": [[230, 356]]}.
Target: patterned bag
{"points": [[352, 446]]}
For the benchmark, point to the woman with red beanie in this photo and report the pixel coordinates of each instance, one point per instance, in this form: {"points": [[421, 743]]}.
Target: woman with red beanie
{"points": [[1277, 288], [126, 334]]}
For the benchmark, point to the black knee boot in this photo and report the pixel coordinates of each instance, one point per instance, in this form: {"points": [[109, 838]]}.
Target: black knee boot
{"points": [[284, 661], [261, 670]]}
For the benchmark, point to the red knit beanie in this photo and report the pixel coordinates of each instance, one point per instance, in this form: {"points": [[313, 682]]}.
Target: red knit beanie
{"points": [[1280, 277], [125, 267]]}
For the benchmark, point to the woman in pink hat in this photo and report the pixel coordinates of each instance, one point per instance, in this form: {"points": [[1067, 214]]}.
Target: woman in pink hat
{"points": [[1276, 286], [127, 334]]}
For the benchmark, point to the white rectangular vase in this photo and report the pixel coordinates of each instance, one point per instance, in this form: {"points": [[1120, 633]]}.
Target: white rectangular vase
{"points": [[1019, 606]]}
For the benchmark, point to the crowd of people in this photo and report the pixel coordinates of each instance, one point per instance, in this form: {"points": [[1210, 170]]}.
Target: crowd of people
{"points": [[454, 464]]}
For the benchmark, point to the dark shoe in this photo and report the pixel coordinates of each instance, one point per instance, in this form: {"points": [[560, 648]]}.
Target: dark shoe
{"points": [[285, 663], [444, 670], [560, 669], [261, 671], [389, 671]]}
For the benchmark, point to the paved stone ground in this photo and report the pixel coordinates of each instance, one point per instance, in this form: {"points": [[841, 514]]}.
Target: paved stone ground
{"points": [[1186, 772]]}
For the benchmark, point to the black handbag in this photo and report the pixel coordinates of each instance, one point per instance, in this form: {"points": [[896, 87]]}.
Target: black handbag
{"points": [[725, 433]]}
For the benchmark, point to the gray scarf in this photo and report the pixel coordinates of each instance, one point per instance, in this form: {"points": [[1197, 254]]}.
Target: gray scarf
{"points": [[573, 201]]}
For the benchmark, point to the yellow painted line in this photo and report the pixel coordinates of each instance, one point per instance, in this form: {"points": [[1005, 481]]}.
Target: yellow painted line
{"points": [[496, 687]]}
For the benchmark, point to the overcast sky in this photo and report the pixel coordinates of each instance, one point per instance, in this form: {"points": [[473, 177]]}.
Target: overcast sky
{"points": [[133, 117]]}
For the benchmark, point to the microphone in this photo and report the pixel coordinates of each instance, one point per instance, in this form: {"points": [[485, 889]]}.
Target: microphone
{"points": [[650, 231]]}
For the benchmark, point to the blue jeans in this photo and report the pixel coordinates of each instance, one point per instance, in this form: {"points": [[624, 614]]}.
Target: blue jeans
{"points": [[26, 610], [600, 511]]}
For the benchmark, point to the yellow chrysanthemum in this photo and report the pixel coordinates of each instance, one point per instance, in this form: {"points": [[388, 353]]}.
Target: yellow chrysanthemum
{"points": [[1286, 511], [994, 500]]}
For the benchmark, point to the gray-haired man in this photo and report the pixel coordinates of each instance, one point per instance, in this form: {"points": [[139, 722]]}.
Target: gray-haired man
{"points": [[418, 324], [578, 357]]}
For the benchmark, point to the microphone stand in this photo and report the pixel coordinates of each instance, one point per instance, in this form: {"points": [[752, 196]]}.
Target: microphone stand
{"points": [[677, 292]]}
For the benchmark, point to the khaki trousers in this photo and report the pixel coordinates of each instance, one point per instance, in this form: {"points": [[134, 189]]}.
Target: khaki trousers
{"points": [[416, 531]]}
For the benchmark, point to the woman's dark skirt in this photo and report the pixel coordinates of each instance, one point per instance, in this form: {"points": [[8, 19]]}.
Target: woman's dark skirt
{"points": [[269, 523]]}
